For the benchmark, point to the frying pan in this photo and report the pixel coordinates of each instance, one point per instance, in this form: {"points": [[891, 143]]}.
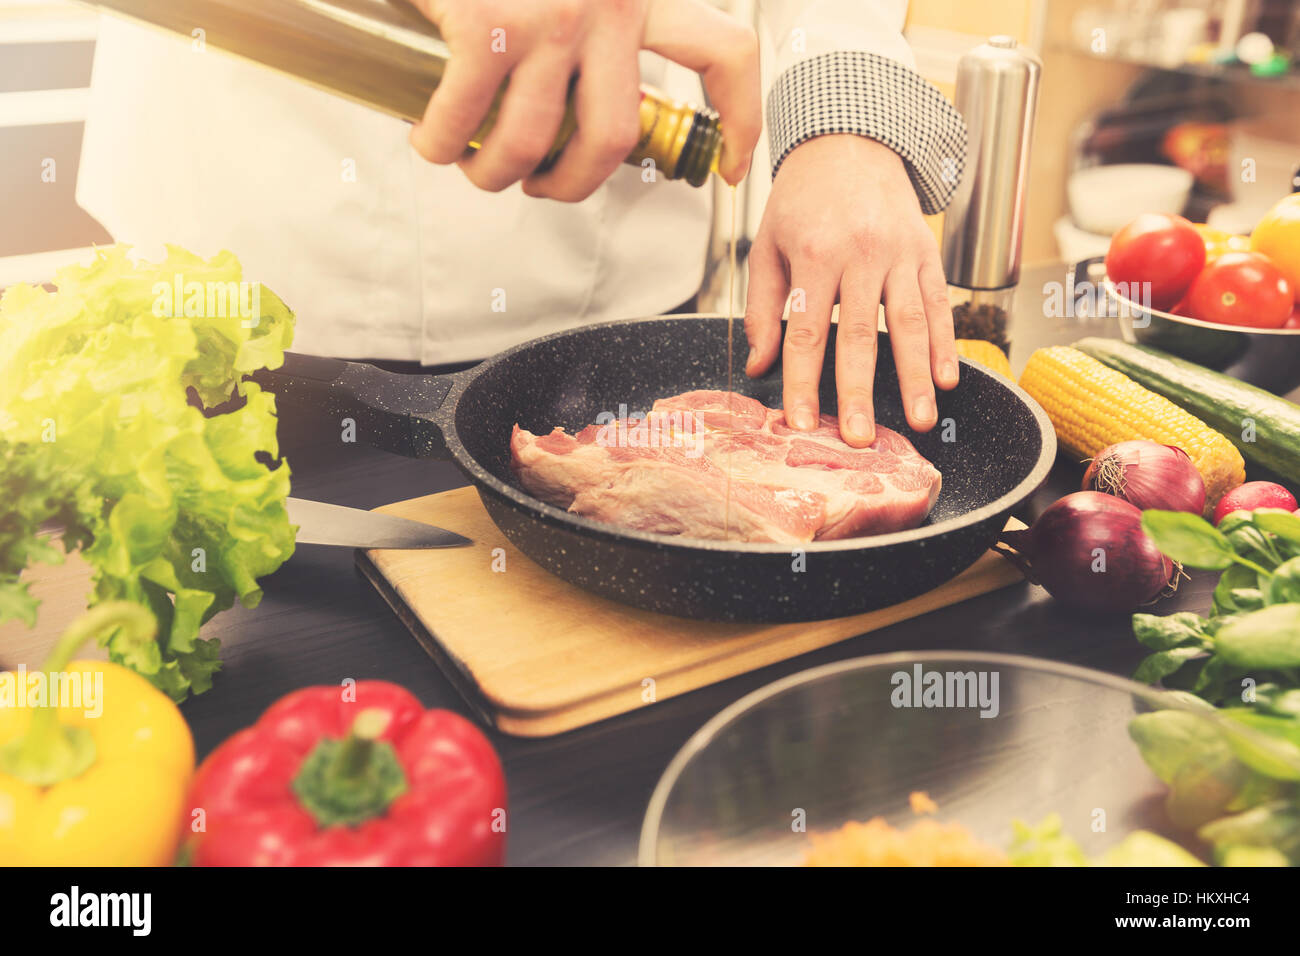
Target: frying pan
{"points": [[994, 447]]}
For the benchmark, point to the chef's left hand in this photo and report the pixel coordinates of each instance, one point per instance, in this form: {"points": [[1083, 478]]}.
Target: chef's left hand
{"points": [[843, 223]]}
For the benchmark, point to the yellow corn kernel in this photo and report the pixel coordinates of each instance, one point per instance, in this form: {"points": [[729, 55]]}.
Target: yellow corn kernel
{"points": [[986, 354], [1092, 405]]}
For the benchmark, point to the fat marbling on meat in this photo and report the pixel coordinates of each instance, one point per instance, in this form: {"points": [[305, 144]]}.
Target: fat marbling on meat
{"points": [[667, 472]]}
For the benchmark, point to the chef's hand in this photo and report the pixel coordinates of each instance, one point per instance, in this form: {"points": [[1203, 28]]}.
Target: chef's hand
{"points": [[540, 45], [843, 220]]}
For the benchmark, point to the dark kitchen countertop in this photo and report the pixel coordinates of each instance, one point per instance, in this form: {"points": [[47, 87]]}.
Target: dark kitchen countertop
{"points": [[579, 798]]}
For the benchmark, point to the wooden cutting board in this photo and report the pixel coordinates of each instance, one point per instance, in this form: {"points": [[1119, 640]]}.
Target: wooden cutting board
{"points": [[537, 656]]}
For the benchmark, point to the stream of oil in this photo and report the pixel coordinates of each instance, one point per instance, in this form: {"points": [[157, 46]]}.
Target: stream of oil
{"points": [[731, 321]]}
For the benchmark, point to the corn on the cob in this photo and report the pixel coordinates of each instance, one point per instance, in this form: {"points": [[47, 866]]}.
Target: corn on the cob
{"points": [[1092, 406], [986, 353]]}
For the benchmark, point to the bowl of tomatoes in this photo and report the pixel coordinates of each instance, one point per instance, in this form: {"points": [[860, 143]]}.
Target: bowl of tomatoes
{"points": [[1230, 303]]}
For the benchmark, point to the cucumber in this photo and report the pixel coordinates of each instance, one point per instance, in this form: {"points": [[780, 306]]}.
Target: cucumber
{"points": [[1226, 404]]}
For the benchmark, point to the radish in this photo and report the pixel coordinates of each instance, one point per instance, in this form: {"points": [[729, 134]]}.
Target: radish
{"points": [[1252, 495]]}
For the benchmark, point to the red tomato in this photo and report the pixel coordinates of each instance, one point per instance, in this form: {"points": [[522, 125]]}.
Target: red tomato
{"points": [[1294, 321], [1241, 288], [1158, 254]]}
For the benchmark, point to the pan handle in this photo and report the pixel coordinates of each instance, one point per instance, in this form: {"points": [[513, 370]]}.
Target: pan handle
{"points": [[392, 412]]}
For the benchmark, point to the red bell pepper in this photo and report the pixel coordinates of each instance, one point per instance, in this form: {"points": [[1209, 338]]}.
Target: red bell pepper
{"points": [[323, 780]]}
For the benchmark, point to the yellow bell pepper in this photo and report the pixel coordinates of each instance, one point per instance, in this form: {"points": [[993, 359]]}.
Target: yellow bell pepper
{"points": [[100, 779]]}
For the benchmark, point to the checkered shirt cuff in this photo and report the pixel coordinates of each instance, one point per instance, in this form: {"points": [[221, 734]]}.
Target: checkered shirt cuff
{"points": [[851, 91]]}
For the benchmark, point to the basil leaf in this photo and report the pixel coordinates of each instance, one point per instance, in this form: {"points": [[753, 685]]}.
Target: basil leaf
{"points": [[1235, 578], [1187, 538], [1282, 701], [1274, 748], [1234, 520], [1275, 824], [1284, 524], [1192, 756], [1265, 639], [1284, 586], [1254, 544], [1248, 599], [1161, 632], [1163, 663]]}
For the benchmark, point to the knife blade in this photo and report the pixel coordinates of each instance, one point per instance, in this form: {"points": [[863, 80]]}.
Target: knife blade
{"points": [[321, 523]]}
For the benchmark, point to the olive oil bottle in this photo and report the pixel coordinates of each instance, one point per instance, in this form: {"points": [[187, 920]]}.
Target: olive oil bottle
{"points": [[386, 55]]}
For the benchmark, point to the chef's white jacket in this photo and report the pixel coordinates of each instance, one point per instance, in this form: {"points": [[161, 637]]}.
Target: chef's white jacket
{"points": [[380, 254]]}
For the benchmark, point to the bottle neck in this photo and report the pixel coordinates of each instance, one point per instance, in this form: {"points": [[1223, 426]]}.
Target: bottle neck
{"points": [[682, 141]]}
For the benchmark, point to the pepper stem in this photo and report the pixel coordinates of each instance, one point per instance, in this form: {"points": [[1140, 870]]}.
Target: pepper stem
{"points": [[50, 752], [348, 781]]}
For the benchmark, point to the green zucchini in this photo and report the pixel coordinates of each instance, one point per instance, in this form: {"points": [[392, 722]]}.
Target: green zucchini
{"points": [[1263, 426]]}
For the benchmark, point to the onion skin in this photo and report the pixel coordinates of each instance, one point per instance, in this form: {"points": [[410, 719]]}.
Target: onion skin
{"points": [[1147, 474], [1061, 551]]}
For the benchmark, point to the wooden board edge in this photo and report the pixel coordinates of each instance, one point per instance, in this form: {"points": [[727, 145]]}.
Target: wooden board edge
{"points": [[454, 669]]}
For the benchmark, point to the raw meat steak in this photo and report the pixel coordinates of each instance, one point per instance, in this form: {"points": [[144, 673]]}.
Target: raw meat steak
{"points": [[667, 473]]}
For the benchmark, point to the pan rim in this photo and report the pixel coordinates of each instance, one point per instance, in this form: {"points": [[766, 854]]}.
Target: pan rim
{"points": [[484, 479]]}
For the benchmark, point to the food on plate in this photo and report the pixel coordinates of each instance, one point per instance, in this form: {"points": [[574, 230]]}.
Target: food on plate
{"points": [[362, 775], [986, 354], [712, 464], [1240, 288], [924, 843], [172, 508], [1252, 495], [1089, 551], [1155, 258], [94, 760], [931, 843], [1277, 236], [920, 803], [1264, 427], [1092, 405], [1147, 474], [1046, 844]]}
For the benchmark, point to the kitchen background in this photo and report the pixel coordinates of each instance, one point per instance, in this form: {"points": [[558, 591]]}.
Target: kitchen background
{"points": [[1207, 86]]}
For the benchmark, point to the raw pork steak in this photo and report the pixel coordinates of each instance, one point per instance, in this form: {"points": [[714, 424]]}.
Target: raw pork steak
{"points": [[667, 473]]}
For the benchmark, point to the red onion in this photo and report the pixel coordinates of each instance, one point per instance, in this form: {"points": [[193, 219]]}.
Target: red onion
{"points": [[1147, 475], [1090, 552]]}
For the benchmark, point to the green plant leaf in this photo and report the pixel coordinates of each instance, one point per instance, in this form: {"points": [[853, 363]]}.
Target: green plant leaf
{"points": [[1187, 538], [1284, 585], [1284, 524], [172, 508], [1162, 632], [1163, 663], [1267, 639]]}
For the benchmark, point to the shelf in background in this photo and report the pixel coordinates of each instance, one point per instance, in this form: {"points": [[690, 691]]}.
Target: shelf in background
{"points": [[1226, 73]]}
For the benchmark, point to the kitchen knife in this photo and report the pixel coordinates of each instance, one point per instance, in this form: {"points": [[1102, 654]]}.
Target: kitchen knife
{"points": [[320, 523]]}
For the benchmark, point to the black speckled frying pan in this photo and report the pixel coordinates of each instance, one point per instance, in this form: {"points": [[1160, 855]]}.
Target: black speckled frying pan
{"points": [[1000, 449]]}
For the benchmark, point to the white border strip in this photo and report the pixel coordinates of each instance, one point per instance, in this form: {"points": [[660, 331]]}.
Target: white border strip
{"points": [[37, 267], [43, 107]]}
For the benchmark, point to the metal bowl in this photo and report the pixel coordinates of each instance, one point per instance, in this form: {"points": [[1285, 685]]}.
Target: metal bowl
{"points": [[1269, 358], [829, 746]]}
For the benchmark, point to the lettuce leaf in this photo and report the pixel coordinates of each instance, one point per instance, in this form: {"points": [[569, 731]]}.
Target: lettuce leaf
{"points": [[108, 428]]}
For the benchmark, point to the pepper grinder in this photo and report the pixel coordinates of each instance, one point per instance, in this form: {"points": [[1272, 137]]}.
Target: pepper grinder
{"points": [[997, 95]]}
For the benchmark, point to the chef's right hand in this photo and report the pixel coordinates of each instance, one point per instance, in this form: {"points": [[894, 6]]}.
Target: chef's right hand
{"points": [[540, 45]]}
